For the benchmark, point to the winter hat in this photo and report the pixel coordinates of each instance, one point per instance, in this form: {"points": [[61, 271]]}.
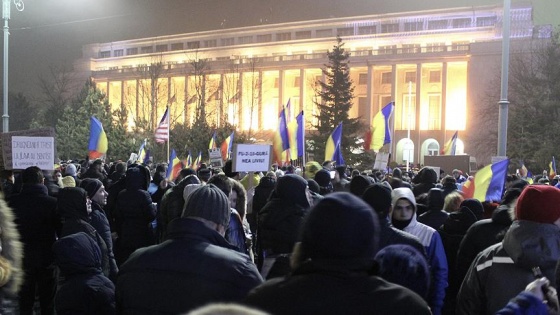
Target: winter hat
{"points": [[404, 265], [313, 186], [188, 190], [340, 231], [323, 178], [208, 202], [475, 206], [228, 169], [68, 181], [292, 187], [435, 199], [91, 186], [359, 183], [403, 193], [378, 196], [538, 203], [311, 168], [70, 170]]}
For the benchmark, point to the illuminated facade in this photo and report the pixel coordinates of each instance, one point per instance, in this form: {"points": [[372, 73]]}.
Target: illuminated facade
{"points": [[431, 63]]}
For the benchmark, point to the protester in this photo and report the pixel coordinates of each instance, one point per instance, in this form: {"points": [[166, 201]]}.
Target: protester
{"points": [[435, 215], [333, 265], [194, 267], [11, 255]]}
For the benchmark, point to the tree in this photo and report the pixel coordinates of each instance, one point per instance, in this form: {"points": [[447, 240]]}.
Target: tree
{"points": [[58, 92], [334, 101], [21, 112]]}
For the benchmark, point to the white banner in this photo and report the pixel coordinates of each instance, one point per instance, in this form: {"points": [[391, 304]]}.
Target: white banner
{"points": [[33, 151], [251, 157]]}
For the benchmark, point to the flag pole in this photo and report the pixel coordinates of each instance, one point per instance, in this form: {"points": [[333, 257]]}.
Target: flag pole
{"points": [[303, 137], [168, 129]]}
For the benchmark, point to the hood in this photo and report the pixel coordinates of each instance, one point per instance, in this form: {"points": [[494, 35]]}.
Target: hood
{"points": [[532, 244], [292, 187], [502, 216], [72, 203], [77, 253], [137, 178], [459, 222], [403, 193]]}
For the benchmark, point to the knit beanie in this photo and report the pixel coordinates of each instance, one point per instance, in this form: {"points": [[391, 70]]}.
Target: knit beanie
{"points": [[475, 206], [435, 199], [378, 196], [70, 170], [208, 202], [68, 181], [403, 193], [188, 190], [340, 231], [323, 178], [313, 186], [404, 265], [91, 186], [359, 183], [539, 203]]}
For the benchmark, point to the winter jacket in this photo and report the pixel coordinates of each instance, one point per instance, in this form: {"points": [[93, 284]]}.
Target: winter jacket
{"points": [[101, 224], [431, 240], [235, 233], [313, 290], [433, 218], [503, 270], [389, 235], [481, 235], [134, 213], [83, 288], [72, 209], [194, 267], [524, 303], [11, 250]]}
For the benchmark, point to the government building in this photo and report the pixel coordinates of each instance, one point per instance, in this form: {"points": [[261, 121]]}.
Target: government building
{"points": [[435, 65]]}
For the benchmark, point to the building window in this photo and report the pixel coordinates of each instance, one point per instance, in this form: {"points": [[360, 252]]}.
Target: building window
{"points": [[413, 26], [323, 33], [433, 148], [283, 36], [210, 43], [297, 81], [405, 113], [387, 50], [105, 54], [460, 46], [434, 112], [193, 45], [177, 46], [461, 23], [435, 47], [363, 108], [410, 76], [226, 41], [437, 25], [386, 78], [131, 51], [118, 53], [362, 79], [345, 31], [390, 28], [245, 40], [146, 50], [435, 76], [161, 48], [303, 35], [265, 38], [366, 30], [410, 48], [486, 21]]}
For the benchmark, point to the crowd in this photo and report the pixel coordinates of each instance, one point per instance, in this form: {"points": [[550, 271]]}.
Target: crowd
{"points": [[92, 238]]}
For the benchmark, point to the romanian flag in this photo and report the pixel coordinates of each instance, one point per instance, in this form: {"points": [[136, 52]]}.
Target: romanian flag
{"points": [[188, 161], [332, 149], [296, 135], [488, 183], [97, 139], [226, 147], [552, 166], [174, 166], [281, 141], [196, 163], [380, 134], [146, 158], [212, 144], [450, 146], [524, 172], [142, 152]]}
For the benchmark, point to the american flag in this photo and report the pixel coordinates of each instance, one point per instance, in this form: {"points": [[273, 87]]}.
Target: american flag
{"points": [[162, 131]]}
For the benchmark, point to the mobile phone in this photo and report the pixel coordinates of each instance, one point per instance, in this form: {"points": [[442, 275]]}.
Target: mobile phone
{"points": [[332, 174]]}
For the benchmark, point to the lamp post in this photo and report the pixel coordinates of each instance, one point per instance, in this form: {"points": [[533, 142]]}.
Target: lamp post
{"points": [[504, 103], [6, 17]]}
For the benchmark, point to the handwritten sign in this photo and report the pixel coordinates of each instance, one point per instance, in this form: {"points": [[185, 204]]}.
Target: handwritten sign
{"points": [[33, 151], [215, 157], [251, 157]]}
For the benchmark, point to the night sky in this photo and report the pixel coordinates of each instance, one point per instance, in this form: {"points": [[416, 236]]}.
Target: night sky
{"points": [[52, 32]]}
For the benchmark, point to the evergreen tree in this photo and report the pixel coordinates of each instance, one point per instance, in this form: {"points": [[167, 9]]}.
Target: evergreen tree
{"points": [[335, 97]]}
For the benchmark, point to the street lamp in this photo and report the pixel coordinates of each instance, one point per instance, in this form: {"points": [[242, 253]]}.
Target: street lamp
{"points": [[503, 103], [6, 16]]}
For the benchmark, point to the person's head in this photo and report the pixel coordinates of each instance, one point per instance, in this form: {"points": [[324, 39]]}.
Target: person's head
{"points": [[73, 202], [120, 167], [539, 203], [57, 175], [95, 190], [311, 168], [68, 181], [204, 174], [210, 205], [70, 170], [341, 231], [295, 189], [449, 182], [226, 309], [404, 265], [404, 207], [97, 165], [475, 206], [378, 196], [223, 182], [189, 188], [228, 170], [323, 178], [32, 175], [184, 173], [435, 199], [456, 173], [359, 183], [238, 198], [452, 201]]}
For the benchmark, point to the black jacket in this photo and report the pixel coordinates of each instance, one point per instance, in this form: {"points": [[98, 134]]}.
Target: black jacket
{"points": [[83, 288], [194, 267], [101, 224]]}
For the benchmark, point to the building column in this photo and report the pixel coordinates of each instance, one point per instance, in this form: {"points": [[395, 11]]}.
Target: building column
{"points": [[369, 94], [301, 90], [443, 96], [418, 144], [259, 101], [281, 89], [240, 103], [393, 147]]}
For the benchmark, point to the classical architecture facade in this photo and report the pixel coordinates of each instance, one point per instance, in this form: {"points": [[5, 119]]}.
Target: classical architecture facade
{"points": [[433, 64]]}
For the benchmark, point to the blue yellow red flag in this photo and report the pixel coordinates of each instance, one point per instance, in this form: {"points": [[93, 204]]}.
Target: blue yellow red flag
{"points": [[98, 144], [488, 182]]}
